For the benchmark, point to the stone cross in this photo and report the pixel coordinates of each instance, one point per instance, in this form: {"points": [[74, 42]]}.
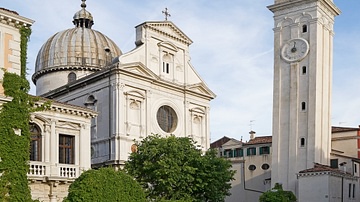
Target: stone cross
{"points": [[166, 13]]}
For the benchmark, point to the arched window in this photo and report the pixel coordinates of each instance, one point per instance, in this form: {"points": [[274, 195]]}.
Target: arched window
{"points": [[35, 145], [304, 28], [304, 70], [71, 77], [302, 142], [166, 63]]}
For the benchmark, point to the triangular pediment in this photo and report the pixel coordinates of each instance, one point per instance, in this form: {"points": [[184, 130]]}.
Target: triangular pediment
{"points": [[168, 29], [232, 143], [68, 125], [138, 69], [201, 88]]}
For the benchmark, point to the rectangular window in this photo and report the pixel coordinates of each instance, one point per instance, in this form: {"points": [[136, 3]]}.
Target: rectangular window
{"points": [[238, 152], [349, 190], [334, 163], [66, 149], [353, 191], [264, 150], [251, 151], [355, 168]]}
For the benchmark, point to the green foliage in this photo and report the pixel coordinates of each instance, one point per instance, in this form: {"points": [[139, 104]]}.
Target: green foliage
{"points": [[15, 148], [14, 131], [173, 169], [25, 33], [277, 194], [106, 185]]}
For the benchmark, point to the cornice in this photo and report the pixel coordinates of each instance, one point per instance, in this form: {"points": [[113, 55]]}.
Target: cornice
{"points": [[38, 74], [14, 20], [154, 26], [65, 108], [295, 4]]}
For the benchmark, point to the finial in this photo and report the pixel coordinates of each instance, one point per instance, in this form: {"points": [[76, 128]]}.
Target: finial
{"points": [[166, 13], [83, 4]]}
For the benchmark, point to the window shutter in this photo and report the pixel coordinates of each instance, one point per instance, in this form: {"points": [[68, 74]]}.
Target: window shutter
{"points": [[261, 150]]}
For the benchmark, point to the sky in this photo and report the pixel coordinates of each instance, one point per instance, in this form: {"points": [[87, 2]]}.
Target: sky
{"points": [[232, 51]]}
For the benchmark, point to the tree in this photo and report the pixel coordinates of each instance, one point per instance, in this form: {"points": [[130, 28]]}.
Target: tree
{"points": [[173, 168], [105, 184], [277, 194]]}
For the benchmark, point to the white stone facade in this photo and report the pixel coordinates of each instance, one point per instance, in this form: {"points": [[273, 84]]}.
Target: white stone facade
{"points": [[302, 87], [129, 94], [55, 163]]}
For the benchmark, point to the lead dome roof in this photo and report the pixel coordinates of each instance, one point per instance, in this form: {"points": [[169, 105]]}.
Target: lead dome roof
{"points": [[76, 48]]}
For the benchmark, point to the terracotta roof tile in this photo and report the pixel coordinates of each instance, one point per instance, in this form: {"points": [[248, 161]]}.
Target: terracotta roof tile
{"points": [[324, 168], [336, 129], [218, 143], [260, 140]]}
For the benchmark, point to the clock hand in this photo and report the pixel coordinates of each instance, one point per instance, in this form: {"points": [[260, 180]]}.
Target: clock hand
{"points": [[293, 50]]}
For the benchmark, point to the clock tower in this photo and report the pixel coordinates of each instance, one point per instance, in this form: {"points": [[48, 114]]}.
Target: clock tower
{"points": [[303, 51]]}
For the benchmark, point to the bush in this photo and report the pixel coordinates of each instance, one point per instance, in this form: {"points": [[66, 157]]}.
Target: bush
{"points": [[277, 194], [105, 184]]}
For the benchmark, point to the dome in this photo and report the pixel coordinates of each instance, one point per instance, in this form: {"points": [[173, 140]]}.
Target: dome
{"points": [[80, 50], [75, 48]]}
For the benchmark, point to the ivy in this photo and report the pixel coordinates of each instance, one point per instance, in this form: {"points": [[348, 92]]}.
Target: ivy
{"points": [[14, 131], [25, 33]]}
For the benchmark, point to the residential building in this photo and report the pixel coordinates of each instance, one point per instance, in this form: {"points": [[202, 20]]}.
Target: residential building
{"points": [[60, 135]]}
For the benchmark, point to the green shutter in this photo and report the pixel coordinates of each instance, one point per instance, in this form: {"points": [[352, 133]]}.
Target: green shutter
{"points": [[261, 150], [241, 152]]}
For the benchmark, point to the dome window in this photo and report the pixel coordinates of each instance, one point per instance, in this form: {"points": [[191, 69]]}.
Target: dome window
{"points": [[71, 77]]}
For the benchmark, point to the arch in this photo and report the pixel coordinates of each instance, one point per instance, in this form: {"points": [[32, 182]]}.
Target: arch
{"points": [[168, 45], [286, 22], [71, 77], [36, 142]]}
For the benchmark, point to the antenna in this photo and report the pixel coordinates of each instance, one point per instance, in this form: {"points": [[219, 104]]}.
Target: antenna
{"points": [[251, 124]]}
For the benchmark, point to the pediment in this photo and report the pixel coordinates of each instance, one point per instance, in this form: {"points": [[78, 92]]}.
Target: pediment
{"points": [[232, 143], [138, 69], [201, 88], [68, 125], [169, 29]]}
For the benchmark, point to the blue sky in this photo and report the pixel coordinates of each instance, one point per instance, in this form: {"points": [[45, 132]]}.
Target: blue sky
{"points": [[232, 51]]}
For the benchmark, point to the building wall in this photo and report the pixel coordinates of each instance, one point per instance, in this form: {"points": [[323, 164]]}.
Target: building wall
{"points": [[327, 187], [249, 183], [49, 178], [10, 42]]}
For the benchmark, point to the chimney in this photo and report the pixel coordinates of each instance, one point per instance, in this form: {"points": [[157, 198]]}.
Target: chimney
{"points": [[252, 135]]}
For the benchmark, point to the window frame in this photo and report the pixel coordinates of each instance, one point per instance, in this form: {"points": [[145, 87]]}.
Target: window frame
{"points": [[66, 152], [35, 156], [251, 151], [262, 151]]}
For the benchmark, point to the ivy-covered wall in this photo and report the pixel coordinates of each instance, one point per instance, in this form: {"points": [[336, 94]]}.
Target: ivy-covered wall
{"points": [[14, 131]]}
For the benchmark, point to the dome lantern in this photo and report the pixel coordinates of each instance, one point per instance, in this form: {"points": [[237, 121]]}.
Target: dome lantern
{"points": [[83, 18]]}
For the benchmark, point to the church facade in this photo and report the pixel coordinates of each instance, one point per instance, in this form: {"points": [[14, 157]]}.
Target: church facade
{"points": [[152, 89]]}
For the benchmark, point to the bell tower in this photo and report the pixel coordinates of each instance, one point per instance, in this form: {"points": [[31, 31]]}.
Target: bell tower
{"points": [[303, 51]]}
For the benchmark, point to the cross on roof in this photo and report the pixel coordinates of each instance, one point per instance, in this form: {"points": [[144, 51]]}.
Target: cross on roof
{"points": [[166, 13]]}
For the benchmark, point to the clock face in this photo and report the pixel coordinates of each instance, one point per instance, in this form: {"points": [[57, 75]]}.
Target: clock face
{"points": [[295, 50]]}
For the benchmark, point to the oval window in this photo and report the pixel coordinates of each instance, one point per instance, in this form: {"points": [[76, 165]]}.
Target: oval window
{"points": [[252, 167], [167, 119], [265, 166]]}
